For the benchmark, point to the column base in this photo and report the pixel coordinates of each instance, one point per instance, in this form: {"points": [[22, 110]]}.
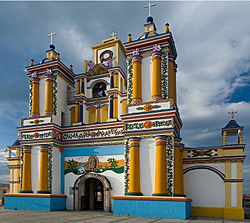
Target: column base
{"points": [[152, 207], [26, 191], [134, 193], [43, 192], [158, 194]]}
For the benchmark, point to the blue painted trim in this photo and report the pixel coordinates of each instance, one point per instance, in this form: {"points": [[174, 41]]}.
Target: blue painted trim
{"points": [[88, 151], [81, 112], [35, 203], [107, 138], [152, 208], [82, 89], [150, 37], [111, 109], [112, 81]]}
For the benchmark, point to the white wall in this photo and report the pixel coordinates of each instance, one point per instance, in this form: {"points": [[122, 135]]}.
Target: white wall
{"points": [[35, 165], [42, 96], [147, 166], [146, 79], [56, 171], [205, 188], [62, 102]]}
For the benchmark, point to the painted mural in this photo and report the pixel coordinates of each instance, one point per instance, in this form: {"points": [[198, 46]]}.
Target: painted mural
{"points": [[97, 164]]}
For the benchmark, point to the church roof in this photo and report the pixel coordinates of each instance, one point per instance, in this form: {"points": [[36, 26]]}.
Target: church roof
{"points": [[16, 143], [232, 124]]}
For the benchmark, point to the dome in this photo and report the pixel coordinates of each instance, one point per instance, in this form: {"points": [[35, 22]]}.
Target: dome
{"points": [[150, 19], [232, 124], [16, 143]]}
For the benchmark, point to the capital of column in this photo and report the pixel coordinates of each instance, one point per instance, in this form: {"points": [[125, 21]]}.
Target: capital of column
{"points": [[27, 148], [44, 147], [161, 140], [156, 55], [137, 58], [134, 141]]}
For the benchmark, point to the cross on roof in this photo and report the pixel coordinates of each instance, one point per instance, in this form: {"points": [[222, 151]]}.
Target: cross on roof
{"points": [[113, 34], [232, 113], [149, 6], [51, 37]]}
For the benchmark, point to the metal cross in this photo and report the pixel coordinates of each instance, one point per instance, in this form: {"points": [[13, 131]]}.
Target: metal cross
{"points": [[51, 37], [232, 113], [113, 34], [149, 6]]}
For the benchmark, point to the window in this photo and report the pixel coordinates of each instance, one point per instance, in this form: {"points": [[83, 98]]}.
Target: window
{"points": [[99, 90]]}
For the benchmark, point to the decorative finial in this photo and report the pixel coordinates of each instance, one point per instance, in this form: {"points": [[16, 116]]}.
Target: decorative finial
{"points": [[232, 113], [51, 39], [32, 62], [113, 34], [149, 6], [166, 28], [71, 67], [129, 37]]}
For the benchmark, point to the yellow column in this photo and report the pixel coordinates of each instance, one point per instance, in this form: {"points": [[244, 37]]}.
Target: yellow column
{"points": [[98, 117], [224, 138], [115, 104], [240, 137], [171, 79], [116, 82], [156, 76], [26, 175], [160, 188], [92, 115], [228, 184], [104, 110], [43, 183], [49, 95], [134, 167], [178, 171], [78, 87], [137, 79], [77, 113], [72, 115], [35, 109], [124, 107]]}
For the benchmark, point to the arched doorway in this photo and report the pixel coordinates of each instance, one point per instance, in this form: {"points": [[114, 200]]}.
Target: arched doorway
{"points": [[92, 192]]}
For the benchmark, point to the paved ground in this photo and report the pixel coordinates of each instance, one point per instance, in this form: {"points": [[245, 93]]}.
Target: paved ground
{"points": [[84, 217]]}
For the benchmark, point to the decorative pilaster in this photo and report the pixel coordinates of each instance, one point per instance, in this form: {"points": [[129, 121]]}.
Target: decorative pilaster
{"points": [[172, 78], [49, 93], [224, 138], [160, 188], [134, 167], [137, 77], [240, 136], [43, 185], [26, 170], [156, 75], [35, 108], [178, 171], [77, 112], [78, 86], [115, 103]]}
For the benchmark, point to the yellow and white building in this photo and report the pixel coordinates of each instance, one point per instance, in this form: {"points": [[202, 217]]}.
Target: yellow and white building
{"points": [[109, 138]]}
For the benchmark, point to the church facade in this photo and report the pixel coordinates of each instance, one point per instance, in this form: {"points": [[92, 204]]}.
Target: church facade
{"points": [[109, 139]]}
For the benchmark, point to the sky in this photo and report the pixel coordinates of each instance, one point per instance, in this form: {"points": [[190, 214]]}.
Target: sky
{"points": [[212, 41]]}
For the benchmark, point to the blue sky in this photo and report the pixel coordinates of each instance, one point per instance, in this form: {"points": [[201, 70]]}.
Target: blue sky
{"points": [[212, 41]]}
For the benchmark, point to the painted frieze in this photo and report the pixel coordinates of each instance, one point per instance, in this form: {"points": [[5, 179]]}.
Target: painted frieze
{"points": [[97, 164], [89, 134]]}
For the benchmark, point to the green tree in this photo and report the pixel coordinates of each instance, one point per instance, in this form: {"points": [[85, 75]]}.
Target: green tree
{"points": [[113, 162]]}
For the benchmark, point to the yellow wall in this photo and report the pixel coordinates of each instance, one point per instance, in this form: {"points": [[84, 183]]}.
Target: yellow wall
{"points": [[92, 115], [124, 107], [104, 111]]}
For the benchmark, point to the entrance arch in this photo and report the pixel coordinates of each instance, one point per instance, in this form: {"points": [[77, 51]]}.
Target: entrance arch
{"points": [[80, 191]]}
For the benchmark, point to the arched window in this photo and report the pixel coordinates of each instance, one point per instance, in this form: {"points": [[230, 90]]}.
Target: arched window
{"points": [[99, 90]]}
